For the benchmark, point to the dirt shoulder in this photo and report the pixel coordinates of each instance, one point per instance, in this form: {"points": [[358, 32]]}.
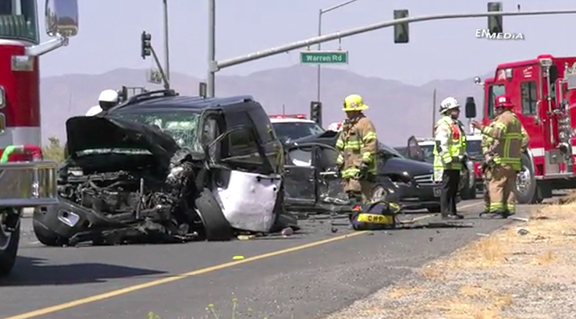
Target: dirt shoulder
{"points": [[526, 270]]}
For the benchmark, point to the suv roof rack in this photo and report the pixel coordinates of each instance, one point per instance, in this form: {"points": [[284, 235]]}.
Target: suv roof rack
{"points": [[151, 95], [146, 96]]}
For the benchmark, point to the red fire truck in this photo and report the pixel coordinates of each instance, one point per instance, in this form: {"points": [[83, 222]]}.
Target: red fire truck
{"points": [[543, 93], [25, 181]]}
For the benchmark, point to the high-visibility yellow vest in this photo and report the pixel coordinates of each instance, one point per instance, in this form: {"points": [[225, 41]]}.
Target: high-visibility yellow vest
{"points": [[456, 147]]}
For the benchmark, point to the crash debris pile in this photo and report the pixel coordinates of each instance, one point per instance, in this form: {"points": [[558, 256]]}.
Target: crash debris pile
{"points": [[523, 271], [151, 201]]}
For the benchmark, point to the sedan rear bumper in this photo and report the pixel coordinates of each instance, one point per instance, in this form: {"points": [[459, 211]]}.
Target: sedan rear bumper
{"points": [[415, 197]]}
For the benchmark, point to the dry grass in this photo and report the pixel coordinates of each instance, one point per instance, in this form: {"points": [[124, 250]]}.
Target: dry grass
{"points": [[524, 271], [400, 292], [54, 150]]}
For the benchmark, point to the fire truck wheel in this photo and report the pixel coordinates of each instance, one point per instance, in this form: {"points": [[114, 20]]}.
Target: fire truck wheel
{"points": [[526, 187], [9, 240]]}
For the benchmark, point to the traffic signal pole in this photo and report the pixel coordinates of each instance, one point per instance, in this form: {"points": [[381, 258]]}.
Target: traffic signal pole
{"points": [[147, 50], [215, 66]]}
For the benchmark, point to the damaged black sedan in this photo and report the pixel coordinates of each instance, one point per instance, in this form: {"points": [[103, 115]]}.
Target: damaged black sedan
{"points": [[163, 168]]}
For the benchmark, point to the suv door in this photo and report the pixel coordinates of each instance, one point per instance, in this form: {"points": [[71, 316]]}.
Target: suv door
{"points": [[414, 151], [330, 189], [300, 174], [270, 142], [241, 148]]}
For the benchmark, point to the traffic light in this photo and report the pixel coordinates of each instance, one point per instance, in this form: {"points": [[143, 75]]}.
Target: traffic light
{"points": [[495, 22], [401, 32], [316, 112], [146, 44]]}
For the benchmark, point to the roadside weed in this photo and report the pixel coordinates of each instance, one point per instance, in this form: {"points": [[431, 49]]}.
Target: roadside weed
{"points": [[53, 151], [213, 312]]}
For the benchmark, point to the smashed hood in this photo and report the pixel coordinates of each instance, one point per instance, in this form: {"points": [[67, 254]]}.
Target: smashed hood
{"points": [[93, 133]]}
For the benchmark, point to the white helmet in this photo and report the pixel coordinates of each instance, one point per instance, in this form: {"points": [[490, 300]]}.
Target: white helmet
{"points": [[449, 103], [108, 96]]}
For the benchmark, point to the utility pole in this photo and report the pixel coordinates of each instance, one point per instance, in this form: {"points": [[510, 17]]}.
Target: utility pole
{"points": [[433, 111], [215, 66], [166, 41], [320, 13], [212, 63]]}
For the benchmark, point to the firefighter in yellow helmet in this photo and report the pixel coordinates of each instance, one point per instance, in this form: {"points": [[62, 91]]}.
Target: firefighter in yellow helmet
{"points": [[358, 146]]}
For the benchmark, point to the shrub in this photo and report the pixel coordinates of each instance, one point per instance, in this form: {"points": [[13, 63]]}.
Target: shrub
{"points": [[53, 151]]}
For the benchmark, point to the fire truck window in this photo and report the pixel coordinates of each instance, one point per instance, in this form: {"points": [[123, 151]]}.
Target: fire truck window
{"points": [[553, 78], [5, 7], [494, 91], [18, 20], [529, 98]]}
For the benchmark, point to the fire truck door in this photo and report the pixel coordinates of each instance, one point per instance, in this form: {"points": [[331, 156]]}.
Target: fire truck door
{"points": [[555, 160]]}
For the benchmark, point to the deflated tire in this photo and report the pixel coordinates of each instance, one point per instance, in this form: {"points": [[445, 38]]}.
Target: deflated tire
{"points": [[216, 227]]}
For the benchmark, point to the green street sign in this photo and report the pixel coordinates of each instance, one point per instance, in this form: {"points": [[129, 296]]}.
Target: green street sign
{"points": [[324, 57]]}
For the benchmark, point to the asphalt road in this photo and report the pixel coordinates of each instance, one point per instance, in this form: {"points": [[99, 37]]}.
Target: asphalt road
{"points": [[294, 277]]}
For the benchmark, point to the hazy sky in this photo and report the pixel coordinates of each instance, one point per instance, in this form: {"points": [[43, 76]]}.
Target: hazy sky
{"points": [[110, 31]]}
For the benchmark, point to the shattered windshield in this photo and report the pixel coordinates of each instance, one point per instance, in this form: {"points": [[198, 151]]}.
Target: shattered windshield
{"points": [[181, 126]]}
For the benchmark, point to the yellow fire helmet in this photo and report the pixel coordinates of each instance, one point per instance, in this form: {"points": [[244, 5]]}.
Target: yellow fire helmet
{"points": [[354, 102]]}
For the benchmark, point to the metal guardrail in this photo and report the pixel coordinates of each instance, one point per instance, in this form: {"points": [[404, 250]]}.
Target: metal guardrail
{"points": [[28, 184]]}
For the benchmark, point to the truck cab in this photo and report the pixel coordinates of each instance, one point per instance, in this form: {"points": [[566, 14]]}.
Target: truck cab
{"points": [[541, 90]]}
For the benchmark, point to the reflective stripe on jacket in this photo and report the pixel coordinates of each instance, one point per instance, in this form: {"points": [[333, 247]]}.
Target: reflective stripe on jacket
{"points": [[450, 145], [508, 139], [357, 143]]}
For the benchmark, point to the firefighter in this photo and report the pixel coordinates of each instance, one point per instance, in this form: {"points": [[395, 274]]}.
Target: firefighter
{"points": [[358, 146], [106, 100], [503, 157], [448, 156], [486, 142]]}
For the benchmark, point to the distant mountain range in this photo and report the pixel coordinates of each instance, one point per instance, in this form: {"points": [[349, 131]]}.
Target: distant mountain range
{"points": [[397, 109]]}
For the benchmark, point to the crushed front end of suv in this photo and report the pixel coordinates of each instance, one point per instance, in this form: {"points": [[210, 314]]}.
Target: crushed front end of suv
{"points": [[167, 168]]}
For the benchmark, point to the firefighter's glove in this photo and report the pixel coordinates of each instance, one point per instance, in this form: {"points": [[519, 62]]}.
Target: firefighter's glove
{"points": [[490, 161], [363, 171]]}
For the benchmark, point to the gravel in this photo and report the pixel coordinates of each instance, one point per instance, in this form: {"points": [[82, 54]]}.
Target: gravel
{"points": [[524, 271]]}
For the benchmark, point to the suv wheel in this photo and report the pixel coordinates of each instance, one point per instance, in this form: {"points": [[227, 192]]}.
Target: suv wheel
{"points": [[216, 227]]}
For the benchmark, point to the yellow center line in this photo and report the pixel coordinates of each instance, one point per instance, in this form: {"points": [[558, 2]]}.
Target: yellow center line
{"points": [[153, 283], [149, 284]]}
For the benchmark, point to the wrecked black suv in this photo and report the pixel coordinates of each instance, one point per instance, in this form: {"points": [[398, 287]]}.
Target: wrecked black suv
{"points": [[162, 167]]}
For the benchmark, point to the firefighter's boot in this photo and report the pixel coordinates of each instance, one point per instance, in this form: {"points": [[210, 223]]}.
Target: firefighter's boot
{"points": [[495, 214], [452, 216]]}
